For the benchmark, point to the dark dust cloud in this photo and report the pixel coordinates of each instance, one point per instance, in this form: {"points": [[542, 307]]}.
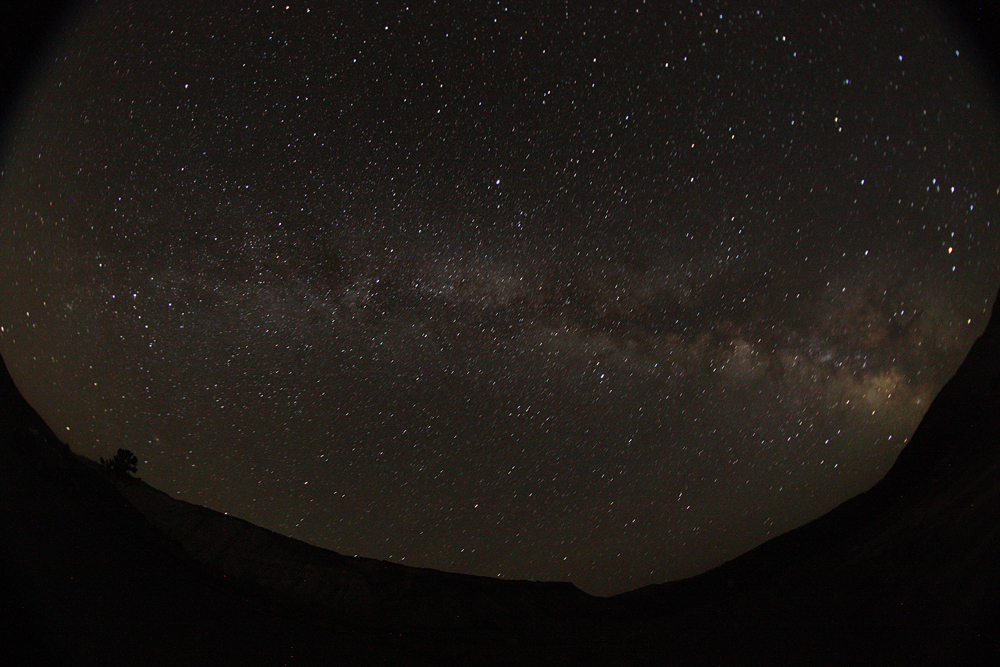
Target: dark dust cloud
{"points": [[607, 294]]}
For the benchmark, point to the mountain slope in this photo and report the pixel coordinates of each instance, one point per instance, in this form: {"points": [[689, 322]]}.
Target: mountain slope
{"points": [[115, 572]]}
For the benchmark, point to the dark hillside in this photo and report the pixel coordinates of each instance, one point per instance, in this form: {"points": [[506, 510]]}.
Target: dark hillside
{"points": [[98, 571]]}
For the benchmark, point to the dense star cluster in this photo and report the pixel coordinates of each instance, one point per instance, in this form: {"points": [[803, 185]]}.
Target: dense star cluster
{"points": [[603, 294]]}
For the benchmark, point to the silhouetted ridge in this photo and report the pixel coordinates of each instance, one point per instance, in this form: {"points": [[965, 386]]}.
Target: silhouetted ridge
{"points": [[86, 555]]}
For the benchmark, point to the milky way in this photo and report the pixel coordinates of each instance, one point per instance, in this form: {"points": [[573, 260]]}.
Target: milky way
{"points": [[607, 295]]}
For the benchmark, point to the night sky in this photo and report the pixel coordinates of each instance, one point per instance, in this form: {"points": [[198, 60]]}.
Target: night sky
{"points": [[540, 290]]}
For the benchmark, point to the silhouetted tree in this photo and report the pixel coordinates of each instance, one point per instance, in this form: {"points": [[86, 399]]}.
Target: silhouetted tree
{"points": [[122, 463]]}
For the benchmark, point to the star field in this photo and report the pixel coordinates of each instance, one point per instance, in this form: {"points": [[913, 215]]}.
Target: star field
{"points": [[549, 291]]}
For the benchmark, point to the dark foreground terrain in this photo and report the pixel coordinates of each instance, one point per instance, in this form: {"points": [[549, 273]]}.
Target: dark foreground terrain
{"points": [[102, 571], [98, 571]]}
